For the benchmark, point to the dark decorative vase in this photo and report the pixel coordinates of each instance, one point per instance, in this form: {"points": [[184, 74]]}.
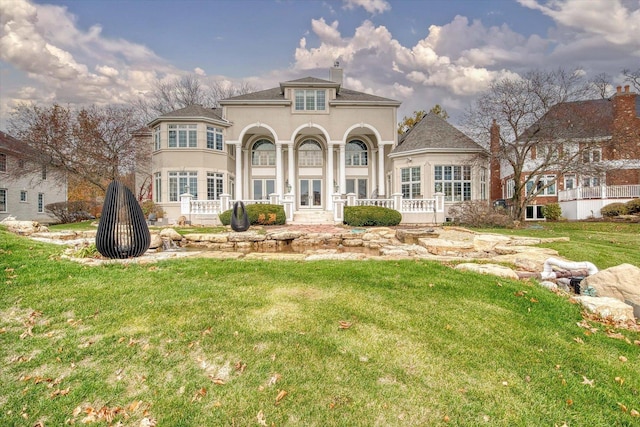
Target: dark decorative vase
{"points": [[123, 231], [239, 217]]}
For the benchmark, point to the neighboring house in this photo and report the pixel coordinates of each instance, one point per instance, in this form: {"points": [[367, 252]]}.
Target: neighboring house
{"points": [[605, 133], [23, 196], [309, 144], [435, 157]]}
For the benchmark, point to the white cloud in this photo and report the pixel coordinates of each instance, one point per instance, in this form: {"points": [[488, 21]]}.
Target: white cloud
{"points": [[371, 6]]}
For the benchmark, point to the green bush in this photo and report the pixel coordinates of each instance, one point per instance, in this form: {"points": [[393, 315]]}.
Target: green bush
{"points": [[149, 207], [614, 209], [552, 211], [360, 216], [633, 206], [259, 215]]}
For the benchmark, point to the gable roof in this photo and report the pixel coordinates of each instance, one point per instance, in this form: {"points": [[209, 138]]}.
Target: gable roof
{"points": [[14, 146], [277, 94], [575, 120], [433, 133]]}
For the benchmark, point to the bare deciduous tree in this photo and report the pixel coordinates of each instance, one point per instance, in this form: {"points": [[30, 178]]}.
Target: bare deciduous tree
{"points": [[187, 90], [94, 144], [602, 85], [632, 77], [528, 131]]}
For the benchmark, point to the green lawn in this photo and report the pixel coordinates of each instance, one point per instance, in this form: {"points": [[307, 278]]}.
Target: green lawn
{"points": [[202, 342]]}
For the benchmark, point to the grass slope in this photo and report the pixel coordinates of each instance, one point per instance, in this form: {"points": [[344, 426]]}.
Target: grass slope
{"points": [[207, 342]]}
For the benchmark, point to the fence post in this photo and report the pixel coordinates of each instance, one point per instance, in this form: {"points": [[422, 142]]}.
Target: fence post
{"points": [[338, 209], [273, 198], [287, 204], [397, 201], [185, 203], [603, 192], [225, 202], [351, 199]]}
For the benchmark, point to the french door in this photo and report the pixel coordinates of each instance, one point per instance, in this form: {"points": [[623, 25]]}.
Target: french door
{"points": [[310, 193]]}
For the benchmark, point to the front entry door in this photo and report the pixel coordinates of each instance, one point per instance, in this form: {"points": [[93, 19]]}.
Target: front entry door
{"points": [[310, 193]]}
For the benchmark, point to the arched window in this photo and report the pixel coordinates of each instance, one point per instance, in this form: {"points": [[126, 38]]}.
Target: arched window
{"points": [[356, 154], [263, 153], [310, 154]]}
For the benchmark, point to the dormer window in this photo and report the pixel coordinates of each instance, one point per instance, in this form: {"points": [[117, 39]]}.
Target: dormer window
{"points": [[310, 100]]}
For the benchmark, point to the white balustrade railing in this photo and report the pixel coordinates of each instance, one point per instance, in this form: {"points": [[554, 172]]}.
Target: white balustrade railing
{"points": [[385, 203], [418, 205], [600, 192]]}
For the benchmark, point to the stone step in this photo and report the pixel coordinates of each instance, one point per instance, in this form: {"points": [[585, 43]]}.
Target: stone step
{"points": [[312, 217]]}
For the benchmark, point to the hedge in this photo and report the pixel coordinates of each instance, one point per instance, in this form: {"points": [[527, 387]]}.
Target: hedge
{"points": [[259, 214], [614, 209], [361, 216]]}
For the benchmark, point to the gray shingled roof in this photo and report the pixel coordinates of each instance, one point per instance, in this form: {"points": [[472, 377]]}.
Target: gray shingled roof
{"points": [[12, 145], [578, 119], [434, 132], [195, 111], [276, 94]]}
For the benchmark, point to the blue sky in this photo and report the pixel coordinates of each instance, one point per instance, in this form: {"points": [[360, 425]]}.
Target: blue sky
{"points": [[420, 52]]}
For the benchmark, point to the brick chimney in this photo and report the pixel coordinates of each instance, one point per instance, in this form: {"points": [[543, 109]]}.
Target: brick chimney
{"points": [[626, 124], [496, 183]]}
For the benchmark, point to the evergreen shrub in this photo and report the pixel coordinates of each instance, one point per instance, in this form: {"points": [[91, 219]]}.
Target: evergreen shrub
{"points": [[259, 214], [552, 211], [361, 216], [633, 206], [614, 209]]}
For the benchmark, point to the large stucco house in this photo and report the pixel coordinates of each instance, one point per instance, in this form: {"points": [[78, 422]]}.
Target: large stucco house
{"points": [[25, 188], [313, 146]]}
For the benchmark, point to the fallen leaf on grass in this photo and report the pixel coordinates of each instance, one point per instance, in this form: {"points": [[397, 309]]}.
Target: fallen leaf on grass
{"points": [[520, 293], [343, 324], [199, 395], [634, 413], [59, 392], [587, 381], [27, 333], [274, 379], [281, 396], [622, 407], [622, 359], [240, 366], [217, 381], [578, 340], [262, 420], [619, 380], [569, 402]]}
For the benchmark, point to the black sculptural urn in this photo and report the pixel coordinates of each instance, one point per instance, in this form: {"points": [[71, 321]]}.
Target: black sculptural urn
{"points": [[239, 217], [122, 231]]}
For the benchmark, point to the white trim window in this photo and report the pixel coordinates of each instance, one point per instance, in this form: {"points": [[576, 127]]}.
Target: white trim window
{"points": [[156, 138], [310, 154], [483, 184], [182, 182], [263, 153], [183, 136], [310, 100], [569, 182], [592, 155], [533, 212], [214, 138], [3, 199], [590, 181], [215, 182], [548, 181], [157, 187], [262, 188], [509, 188], [356, 154], [23, 196], [453, 181], [3, 162], [357, 186], [410, 182], [40, 202]]}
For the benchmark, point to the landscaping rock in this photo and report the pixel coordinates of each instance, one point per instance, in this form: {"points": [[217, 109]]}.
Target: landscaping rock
{"points": [[410, 237], [486, 242], [156, 241], [170, 233], [446, 247], [621, 282], [25, 228], [494, 269], [607, 307], [211, 237]]}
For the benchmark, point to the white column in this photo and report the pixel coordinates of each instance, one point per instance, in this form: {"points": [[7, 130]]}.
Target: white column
{"points": [[381, 191], [279, 179], [342, 174], [245, 173], [291, 172], [374, 174], [238, 195], [329, 191]]}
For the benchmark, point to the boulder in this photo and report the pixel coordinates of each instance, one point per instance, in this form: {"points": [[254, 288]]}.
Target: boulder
{"points": [[486, 242], [411, 236], [170, 233], [495, 269], [25, 228], [607, 307], [621, 282], [156, 241], [439, 246]]}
